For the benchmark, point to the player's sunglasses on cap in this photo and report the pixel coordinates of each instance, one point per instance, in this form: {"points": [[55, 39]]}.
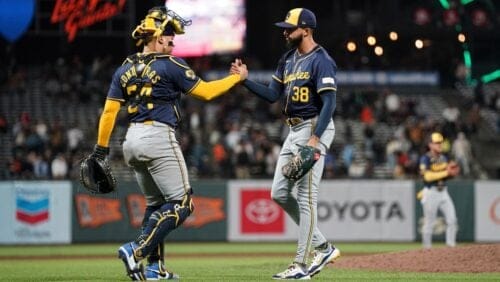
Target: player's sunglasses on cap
{"points": [[298, 17]]}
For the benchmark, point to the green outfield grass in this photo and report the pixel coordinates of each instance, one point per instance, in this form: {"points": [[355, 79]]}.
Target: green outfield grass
{"points": [[197, 262]]}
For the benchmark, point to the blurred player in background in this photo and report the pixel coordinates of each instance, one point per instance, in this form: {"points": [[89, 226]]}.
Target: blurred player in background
{"points": [[305, 82], [436, 169], [151, 83]]}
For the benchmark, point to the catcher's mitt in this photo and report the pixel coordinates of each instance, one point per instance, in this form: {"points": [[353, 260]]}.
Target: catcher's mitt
{"points": [[301, 162], [96, 175]]}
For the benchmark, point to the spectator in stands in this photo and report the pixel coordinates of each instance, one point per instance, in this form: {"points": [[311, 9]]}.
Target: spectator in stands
{"points": [[220, 159], [366, 115], [56, 137], [391, 148], [75, 137], [42, 130], [243, 153], [462, 152], [450, 115], [59, 167], [40, 165], [347, 155], [33, 142], [392, 104]]}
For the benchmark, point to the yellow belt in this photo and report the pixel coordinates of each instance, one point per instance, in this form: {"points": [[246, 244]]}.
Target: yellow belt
{"points": [[147, 122]]}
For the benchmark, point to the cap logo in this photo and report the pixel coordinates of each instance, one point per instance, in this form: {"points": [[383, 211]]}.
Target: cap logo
{"points": [[293, 16]]}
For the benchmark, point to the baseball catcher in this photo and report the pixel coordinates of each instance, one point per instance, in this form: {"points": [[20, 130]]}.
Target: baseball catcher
{"points": [[301, 163], [151, 85], [95, 173]]}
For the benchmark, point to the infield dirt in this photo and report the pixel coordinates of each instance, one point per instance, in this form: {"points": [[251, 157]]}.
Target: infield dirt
{"points": [[472, 259]]}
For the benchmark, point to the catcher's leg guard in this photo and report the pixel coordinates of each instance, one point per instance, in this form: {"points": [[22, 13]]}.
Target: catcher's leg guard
{"points": [[156, 255], [170, 216]]}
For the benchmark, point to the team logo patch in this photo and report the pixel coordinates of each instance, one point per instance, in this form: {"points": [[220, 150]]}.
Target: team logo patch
{"points": [[328, 80], [190, 74]]}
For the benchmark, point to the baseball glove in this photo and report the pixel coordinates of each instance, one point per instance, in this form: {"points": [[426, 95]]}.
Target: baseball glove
{"points": [[301, 162], [95, 173]]}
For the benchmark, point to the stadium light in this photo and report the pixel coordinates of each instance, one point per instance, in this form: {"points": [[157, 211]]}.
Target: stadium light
{"points": [[467, 59], [419, 43], [393, 35], [445, 4], [371, 40], [490, 76], [465, 2], [461, 37], [379, 51], [351, 46]]}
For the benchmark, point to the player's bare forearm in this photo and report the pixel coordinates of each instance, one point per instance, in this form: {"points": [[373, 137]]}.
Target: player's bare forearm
{"points": [[313, 141]]}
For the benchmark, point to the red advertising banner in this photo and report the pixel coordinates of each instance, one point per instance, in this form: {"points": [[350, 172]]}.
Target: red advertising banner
{"points": [[260, 214], [95, 211]]}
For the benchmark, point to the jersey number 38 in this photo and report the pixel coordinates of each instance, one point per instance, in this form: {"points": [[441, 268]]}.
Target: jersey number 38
{"points": [[300, 94]]}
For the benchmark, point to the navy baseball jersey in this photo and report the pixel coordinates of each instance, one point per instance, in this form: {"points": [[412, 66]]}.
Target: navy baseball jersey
{"points": [[434, 164], [152, 85], [303, 78]]}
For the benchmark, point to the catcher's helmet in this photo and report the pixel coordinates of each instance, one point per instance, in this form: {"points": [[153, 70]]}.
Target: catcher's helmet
{"points": [[159, 21]]}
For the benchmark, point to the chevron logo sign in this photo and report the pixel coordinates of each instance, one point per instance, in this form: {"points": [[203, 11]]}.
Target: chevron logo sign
{"points": [[32, 206]]}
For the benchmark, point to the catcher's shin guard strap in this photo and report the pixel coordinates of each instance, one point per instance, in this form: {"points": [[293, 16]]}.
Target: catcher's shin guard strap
{"points": [[170, 216]]}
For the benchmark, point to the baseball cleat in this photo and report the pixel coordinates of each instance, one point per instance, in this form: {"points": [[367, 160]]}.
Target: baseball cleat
{"points": [[157, 271], [134, 269], [322, 258], [293, 272]]}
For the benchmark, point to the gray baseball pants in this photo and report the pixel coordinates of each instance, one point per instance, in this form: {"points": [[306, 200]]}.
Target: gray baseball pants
{"points": [[303, 208], [154, 154]]}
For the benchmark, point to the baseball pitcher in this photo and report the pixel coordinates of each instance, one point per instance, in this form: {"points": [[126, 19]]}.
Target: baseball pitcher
{"points": [[305, 82]]}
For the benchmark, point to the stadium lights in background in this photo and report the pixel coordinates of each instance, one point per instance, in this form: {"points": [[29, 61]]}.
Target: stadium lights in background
{"points": [[351, 46], [490, 76], [486, 78], [419, 44], [371, 40], [461, 37], [446, 4], [393, 35]]}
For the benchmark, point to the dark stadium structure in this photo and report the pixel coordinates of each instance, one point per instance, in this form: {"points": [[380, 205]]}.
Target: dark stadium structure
{"points": [[51, 91]]}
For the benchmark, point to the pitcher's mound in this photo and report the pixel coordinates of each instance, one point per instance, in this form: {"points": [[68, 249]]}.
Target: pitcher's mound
{"points": [[471, 258]]}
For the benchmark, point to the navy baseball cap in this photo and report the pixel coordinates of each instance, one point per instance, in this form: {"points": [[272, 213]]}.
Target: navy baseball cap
{"points": [[298, 17]]}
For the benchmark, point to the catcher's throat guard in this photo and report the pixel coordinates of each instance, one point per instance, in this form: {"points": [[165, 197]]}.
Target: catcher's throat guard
{"points": [[96, 176]]}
